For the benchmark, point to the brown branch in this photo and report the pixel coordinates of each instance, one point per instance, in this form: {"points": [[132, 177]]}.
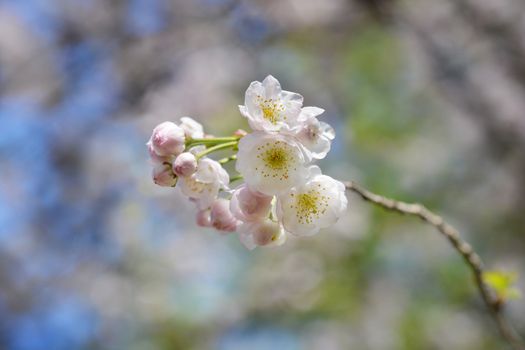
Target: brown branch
{"points": [[493, 303]]}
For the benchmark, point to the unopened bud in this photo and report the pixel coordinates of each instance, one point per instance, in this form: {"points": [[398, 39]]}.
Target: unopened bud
{"points": [[221, 216], [240, 133], [203, 218], [167, 139], [248, 205], [163, 175], [155, 158], [266, 233], [261, 233], [185, 164]]}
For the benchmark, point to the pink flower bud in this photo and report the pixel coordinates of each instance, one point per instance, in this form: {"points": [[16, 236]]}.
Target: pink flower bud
{"points": [[203, 218], [248, 205], [185, 164], [155, 158], [240, 132], [167, 139], [221, 216], [266, 232], [163, 175], [261, 233]]}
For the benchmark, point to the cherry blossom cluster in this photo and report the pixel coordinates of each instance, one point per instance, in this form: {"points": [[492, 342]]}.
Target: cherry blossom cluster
{"points": [[282, 192]]}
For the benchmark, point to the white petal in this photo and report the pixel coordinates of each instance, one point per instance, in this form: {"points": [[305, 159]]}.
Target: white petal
{"points": [[244, 111], [192, 129], [197, 149], [292, 107], [327, 130], [272, 87], [245, 236], [314, 135], [308, 112], [313, 171], [204, 193], [210, 170], [318, 148], [208, 197], [253, 93], [207, 171]]}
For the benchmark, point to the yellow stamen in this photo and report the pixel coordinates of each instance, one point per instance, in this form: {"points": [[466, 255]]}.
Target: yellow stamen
{"points": [[277, 160], [309, 206], [271, 109]]}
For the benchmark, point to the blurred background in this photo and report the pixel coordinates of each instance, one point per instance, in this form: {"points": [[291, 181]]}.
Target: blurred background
{"points": [[428, 101]]}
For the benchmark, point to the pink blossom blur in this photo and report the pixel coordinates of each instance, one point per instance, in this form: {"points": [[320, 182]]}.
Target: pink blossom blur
{"points": [[203, 218], [248, 205], [221, 216]]}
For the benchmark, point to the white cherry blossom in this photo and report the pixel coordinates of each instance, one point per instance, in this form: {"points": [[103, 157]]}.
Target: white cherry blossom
{"points": [[314, 135], [203, 186], [270, 163], [261, 233], [269, 108], [316, 204]]}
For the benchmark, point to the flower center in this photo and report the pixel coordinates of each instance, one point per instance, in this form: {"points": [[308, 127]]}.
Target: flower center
{"points": [[309, 206], [271, 109], [277, 158]]}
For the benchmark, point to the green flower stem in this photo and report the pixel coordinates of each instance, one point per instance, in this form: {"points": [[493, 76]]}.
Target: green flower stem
{"points": [[236, 178], [218, 147], [211, 141], [227, 159]]}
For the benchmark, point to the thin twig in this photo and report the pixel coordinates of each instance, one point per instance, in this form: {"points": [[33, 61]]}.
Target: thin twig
{"points": [[493, 303]]}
